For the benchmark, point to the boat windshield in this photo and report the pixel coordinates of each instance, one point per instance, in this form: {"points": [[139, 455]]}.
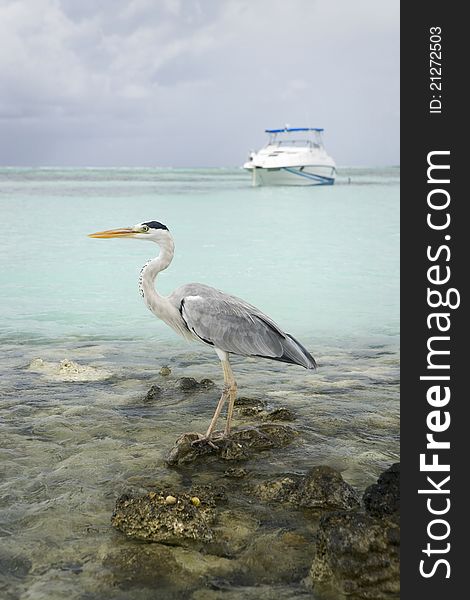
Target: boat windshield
{"points": [[302, 139]]}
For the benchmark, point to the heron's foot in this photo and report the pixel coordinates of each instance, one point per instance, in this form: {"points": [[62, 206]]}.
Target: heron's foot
{"points": [[209, 440], [203, 441]]}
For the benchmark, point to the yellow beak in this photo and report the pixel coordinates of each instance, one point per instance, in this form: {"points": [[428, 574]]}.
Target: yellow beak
{"points": [[114, 233]]}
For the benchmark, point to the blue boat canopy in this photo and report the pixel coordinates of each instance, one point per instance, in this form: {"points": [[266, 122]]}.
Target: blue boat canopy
{"points": [[286, 129]]}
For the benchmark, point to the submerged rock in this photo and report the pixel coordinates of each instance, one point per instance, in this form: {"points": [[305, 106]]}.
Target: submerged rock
{"points": [[189, 384], [240, 445], [281, 489], [383, 498], [147, 566], [280, 414], [276, 557], [235, 473], [260, 412], [206, 384], [169, 572], [234, 531], [67, 370], [357, 555], [165, 371], [245, 401], [154, 518], [250, 411], [322, 488], [14, 566], [255, 592], [154, 393]]}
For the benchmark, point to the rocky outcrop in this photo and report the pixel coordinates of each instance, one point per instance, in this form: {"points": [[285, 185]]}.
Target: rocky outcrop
{"points": [[322, 488], [160, 517], [338, 547], [155, 392], [357, 555], [189, 384], [357, 552], [253, 408], [383, 498], [242, 444]]}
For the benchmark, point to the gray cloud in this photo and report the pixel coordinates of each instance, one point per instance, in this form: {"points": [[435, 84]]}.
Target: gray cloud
{"points": [[194, 83]]}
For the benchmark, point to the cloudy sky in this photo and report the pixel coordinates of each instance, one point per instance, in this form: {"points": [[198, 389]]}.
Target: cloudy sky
{"points": [[195, 82]]}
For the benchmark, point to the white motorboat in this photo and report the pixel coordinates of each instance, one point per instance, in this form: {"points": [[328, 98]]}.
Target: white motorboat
{"points": [[293, 156]]}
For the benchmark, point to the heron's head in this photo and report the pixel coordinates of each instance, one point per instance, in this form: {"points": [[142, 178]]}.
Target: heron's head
{"points": [[152, 231]]}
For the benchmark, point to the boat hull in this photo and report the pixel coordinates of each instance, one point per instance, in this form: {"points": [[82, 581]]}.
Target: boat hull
{"points": [[296, 175]]}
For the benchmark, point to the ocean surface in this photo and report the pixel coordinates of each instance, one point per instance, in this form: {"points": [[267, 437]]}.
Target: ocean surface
{"points": [[80, 349]]}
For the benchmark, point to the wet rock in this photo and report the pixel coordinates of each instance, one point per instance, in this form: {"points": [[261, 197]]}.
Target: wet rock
{"points": [[165, 371], [357, 555], [235, 473], [240, 445], [244, 401], [189, 384], [255, 592], [152, 518], [357, 552], [250, 411], [383, 498], [206, 384], [322, 488], [255, 408], [282, 489], [213, 493], [280, 414], [154, 393]]}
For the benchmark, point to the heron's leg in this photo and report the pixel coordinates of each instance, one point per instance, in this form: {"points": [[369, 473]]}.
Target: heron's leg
{"points": [[218, 410], [232, 393], [229, 392]]}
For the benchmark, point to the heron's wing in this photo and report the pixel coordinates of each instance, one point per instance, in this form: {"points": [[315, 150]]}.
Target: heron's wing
{"points": [[233, 325]]}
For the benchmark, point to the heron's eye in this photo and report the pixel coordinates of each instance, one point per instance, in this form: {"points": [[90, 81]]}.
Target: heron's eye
{"points": [[145, 228]]}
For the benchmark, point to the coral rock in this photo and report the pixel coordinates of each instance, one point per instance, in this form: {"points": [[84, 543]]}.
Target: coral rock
{"points": [[152, 518], [356, 555], [383, 498], [321, 488]]}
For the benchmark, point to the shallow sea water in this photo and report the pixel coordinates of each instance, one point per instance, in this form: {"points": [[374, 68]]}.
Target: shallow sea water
{"points": [[323, 262]]}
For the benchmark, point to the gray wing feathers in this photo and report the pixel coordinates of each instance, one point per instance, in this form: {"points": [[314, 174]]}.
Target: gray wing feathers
{"points": [[233, 325]]}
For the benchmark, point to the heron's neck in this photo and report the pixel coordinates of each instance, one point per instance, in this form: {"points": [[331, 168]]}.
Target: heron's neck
{"points": [[149, 273]]}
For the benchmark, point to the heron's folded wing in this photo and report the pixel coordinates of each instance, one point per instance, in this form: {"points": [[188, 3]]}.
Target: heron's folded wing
{"points": [[232, 325]]}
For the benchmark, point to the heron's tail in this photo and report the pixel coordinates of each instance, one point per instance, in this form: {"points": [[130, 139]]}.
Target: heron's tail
{"points": [[296, 354]]}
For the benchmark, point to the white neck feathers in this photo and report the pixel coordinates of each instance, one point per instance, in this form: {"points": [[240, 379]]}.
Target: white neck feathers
{"points": [[151, 269]]}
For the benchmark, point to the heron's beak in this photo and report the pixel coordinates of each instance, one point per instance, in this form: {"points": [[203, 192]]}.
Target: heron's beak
{"points": [[114, 233]]}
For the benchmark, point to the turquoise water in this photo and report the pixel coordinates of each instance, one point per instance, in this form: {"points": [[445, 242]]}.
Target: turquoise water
{"points": [[323, 262]]}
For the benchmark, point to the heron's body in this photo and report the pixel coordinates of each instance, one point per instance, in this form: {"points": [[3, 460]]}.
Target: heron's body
{"points": [[202, 313]]}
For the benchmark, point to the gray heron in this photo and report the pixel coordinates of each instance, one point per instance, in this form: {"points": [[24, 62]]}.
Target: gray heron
{"points": [[200, 312]]}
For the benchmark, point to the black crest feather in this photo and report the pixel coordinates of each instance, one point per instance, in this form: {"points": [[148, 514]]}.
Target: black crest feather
{"points": [[155, 225]]}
